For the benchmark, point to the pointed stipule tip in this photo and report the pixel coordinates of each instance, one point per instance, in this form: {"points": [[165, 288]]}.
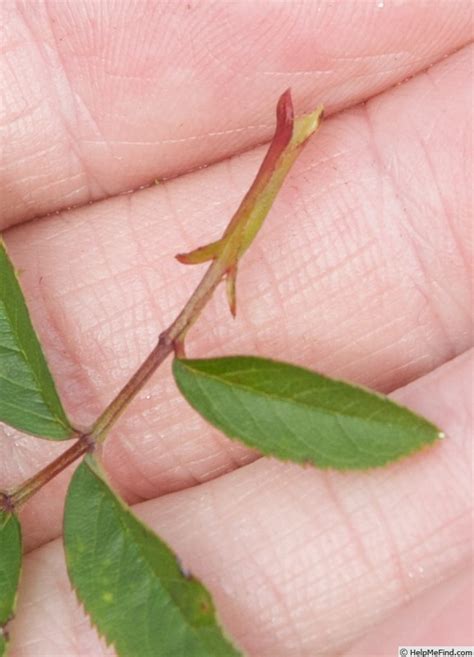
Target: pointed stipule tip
{"points": [[285, 98], [285, 114]]}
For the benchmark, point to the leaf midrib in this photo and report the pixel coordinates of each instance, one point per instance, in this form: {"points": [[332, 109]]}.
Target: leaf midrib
{"points": [[121, 510], [317, 448], [287, 400]]}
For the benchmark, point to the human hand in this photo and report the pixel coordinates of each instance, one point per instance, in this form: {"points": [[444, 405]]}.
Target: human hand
{"points": [[361, 271]]}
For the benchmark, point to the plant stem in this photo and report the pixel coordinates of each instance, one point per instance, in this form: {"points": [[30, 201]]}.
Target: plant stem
{"points": [[288, 140], [12, 501], [170, 340]]}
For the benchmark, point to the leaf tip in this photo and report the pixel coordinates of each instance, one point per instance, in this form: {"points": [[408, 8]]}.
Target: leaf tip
{"points": [[183, 258]]}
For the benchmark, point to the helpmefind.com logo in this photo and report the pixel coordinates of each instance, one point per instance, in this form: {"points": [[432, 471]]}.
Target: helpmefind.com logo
{"points": [[436, 651]]}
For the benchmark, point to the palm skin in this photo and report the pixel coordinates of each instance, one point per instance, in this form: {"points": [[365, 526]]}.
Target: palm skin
{"points": [[361, 271]]}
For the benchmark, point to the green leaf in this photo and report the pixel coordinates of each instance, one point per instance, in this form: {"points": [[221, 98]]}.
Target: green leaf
{"points": [[28, 397], [10, 566], [298, 415], [130, 582]]}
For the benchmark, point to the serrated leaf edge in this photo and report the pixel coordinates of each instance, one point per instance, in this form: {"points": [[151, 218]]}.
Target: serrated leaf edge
{"points": [[4, 632], [92, 463], [390, 458], [62, 421]]}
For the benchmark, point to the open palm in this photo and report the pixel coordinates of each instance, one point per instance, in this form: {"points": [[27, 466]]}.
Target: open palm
{"points": [[361, 271]]}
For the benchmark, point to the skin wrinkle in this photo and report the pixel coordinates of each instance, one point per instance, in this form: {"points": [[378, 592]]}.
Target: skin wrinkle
{"points": [[465, 516], [405, 368], [226, 70], [128, 491], [356, 363], [180, 466], [50, 183], [436, 612], [67, 50], [421, 265], [25, 157], [141, 256], [267, 127], [447, 214], [40, 50], [174, 216], [14, 83], [433, 307], [57, 337], [319, 533], [221, 513], [347, 522], [312, 521], [22, 114], [88, 393], [395, 555]]}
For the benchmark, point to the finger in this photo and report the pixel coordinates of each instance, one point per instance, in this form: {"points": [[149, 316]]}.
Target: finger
{"points": [[441, 616], [302, 561], [361, 272], [105, 97]]}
